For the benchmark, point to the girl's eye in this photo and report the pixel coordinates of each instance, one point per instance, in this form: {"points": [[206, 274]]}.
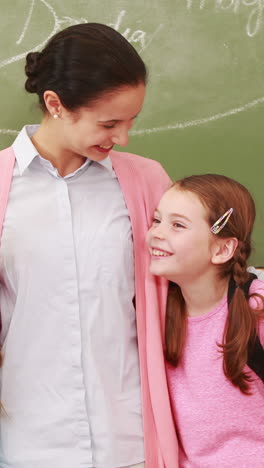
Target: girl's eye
{"points": [[155, 221], [178, 225]]}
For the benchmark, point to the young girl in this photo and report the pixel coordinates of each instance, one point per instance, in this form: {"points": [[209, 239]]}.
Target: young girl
{"points": [[200, 241], [76, 383]]}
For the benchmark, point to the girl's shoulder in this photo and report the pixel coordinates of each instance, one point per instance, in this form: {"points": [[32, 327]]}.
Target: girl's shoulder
{"points": [[257, 302], [259, 272], [257, 287]]}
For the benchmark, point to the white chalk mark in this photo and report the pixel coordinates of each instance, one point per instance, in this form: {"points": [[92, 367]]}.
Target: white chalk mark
{"points": [[236, 6], [219, 4], [189, 4], [179, 125], [5, 131], [160, 26], [255, 17], [22, 35], [72, 21], [138, 36], [202, 121], [39, 46], [119, 20], [202, 4]]}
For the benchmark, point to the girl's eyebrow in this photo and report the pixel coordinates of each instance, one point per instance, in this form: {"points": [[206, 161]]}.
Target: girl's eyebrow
{"points": [[173, 215], [178, 215]]}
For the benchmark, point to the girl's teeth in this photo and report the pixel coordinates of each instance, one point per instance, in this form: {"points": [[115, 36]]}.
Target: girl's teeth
{"points": [[160, 253], [105, 147]]}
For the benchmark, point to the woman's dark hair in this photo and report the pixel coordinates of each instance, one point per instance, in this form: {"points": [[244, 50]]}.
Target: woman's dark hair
{"points": [[218, 193], [82, 63]]}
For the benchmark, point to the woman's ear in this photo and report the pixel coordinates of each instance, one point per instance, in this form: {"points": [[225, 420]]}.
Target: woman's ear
{"points": [[223, 250], [53, 103]]}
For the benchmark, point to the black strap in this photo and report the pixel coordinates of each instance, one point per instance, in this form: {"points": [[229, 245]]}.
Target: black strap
{"points": [[256, 358], [256, 350]]}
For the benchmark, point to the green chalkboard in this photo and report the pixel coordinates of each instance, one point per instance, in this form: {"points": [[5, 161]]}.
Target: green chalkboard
{"points": [[204, 110]]}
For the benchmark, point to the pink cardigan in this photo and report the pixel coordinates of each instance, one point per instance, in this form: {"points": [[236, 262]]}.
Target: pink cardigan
{"points": [[142, 181]]}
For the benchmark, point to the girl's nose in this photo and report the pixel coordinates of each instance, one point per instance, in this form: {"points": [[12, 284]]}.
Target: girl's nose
{"points": [[159, 235], [155, 232], [158, 232]]}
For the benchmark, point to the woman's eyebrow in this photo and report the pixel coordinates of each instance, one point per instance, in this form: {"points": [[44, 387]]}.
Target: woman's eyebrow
{"points": [[116, 120]]}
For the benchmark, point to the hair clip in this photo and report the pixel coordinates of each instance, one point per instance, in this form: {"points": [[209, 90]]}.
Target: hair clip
{"points": [[217, 227]]}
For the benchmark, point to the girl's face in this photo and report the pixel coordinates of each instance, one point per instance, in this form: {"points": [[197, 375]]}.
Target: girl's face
{"points": [[180, 242], [92, 132]]}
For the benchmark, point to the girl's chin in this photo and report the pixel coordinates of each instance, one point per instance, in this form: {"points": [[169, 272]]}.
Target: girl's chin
{"points": [[156, 271]]}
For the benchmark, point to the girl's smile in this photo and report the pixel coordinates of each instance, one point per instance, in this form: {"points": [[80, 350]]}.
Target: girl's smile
{"points": [[158, 253]]}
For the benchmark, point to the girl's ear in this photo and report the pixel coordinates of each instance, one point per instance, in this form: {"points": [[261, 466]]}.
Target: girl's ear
{"points": [[223, 250]]}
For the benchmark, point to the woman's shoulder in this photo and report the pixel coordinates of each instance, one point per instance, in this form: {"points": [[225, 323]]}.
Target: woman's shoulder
{"points": [[150, 170], [141, 162], [6, 152]]}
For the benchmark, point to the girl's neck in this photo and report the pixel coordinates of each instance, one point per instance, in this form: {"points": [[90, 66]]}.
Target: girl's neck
{"points": [[204, 295]]}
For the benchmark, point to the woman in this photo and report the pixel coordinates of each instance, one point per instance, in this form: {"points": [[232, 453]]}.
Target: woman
{"points": [[76, 382]]}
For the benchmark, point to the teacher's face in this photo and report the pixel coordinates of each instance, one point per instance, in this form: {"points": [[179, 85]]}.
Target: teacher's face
{"points": [[93, 131]]}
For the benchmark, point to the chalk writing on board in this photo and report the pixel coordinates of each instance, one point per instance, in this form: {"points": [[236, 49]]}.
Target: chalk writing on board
{"points": [[132, 35], [55, 29], [144, 39], [201, 121], [28, 19], [180, 125], [255, 10], [137, 35]]}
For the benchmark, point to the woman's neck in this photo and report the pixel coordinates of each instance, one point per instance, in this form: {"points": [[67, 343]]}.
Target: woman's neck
{"points": [[204, 295], [47, 142]]}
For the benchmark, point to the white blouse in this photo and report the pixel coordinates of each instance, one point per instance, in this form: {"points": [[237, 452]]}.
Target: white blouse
{"points": [[70, 381]]}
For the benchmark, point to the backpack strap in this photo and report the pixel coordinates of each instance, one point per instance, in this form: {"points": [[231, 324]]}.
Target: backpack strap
{"points": [[255, 350]]}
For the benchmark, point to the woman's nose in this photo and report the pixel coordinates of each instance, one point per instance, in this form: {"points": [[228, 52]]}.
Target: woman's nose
{"points": [[121, 137]]}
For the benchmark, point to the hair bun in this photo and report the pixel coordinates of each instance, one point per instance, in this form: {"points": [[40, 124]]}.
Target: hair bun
{"points": [[31, 69]]}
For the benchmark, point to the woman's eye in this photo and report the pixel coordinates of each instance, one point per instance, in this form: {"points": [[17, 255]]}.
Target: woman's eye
{"points": [[155, 221], [109, 126]]}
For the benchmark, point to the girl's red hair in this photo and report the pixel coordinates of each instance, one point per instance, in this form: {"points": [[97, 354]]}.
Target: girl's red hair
{"points": [[219, 193]]}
